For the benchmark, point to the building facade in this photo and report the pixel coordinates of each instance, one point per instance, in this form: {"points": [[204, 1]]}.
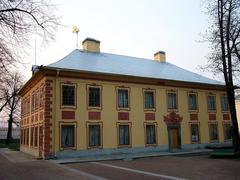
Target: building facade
{"points": [[94, 102]]}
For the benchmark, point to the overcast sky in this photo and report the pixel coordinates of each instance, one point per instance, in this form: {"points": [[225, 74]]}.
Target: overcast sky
{"points": [[131, 27]]}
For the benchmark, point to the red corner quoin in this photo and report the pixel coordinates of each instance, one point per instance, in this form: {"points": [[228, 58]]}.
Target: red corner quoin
{"points": [[68, 114]]}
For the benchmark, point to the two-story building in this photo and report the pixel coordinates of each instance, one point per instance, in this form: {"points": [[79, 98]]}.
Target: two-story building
{"points": [[92, 102]]}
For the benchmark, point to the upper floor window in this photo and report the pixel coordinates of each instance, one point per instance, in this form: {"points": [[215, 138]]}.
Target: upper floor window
{"points": [[211, 102], [192, 101], [68, 95], [123, 98], [224, 103], [172, 100], [33, 102], [94, 96], [41, 97], [149, 100]]}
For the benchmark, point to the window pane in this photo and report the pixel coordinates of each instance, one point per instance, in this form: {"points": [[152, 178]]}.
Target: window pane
{"points": [[94, 135], [192, 101], [123, 98], [150, 132], [194, 133], [124, 138], [68, 95], [32, 131], [149, 99], [213, 132], [67, 136], [224, 102], [211, 103], [94, 97], [172, 104], [227, 131], [36, 136]]}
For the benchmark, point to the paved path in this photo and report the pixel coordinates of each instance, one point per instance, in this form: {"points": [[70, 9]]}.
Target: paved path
{"points": [[17, 165], [169, 167]]}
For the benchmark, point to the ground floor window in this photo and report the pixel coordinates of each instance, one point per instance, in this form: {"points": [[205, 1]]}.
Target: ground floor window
{"points": [[21, 137], [194, 129], [36, 137], [32, 133], [213, 132], [123, 134], [94, 135], [67, 136], [227, 131], [150, 134], [27, 136]]}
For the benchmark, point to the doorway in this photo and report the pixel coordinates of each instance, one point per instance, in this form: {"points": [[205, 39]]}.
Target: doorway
{"points": [[174, 139]]}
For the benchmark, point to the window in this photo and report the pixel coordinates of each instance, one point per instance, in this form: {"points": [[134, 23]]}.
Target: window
{"points": [[172, 100], [94, 98], [36, 136], [123, 99], [124, 135], [211, 103], [194, 128], [21, 136], [224, 103], [150, 134], [32, 134], [68, 95], [227, 131], [41, 97], [213, 132], [27, 136], [149, 100], [94, 135], [192, 102], [67, 136], [33, 102], [36, 100]]}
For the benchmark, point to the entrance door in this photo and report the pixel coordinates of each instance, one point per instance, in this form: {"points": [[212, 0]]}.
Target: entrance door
{"points": [[174, 139]]}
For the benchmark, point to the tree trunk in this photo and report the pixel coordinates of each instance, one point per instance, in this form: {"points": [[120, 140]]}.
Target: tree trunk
{"points": [[9, 133], [235, 130]]}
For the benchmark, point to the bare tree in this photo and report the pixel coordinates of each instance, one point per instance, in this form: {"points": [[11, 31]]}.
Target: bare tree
{"points": [[19, 20], [13, 85], [225, 58]]}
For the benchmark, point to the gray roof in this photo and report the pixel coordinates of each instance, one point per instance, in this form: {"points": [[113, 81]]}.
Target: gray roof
{"points": [[124, 65]]}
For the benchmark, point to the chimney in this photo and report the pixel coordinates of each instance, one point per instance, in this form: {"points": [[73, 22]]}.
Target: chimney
{"points": [[160, 56], [91, 45]]}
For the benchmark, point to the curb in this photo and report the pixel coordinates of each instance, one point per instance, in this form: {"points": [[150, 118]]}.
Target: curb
{"points": [[128, 157]]}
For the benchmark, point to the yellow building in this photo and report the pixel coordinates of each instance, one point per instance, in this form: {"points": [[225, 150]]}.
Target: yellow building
{"points": [[91, 102], [238, 107]]}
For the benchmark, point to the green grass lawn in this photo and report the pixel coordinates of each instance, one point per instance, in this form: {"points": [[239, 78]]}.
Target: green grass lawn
{"points": [[224, 153], [13, 146]]}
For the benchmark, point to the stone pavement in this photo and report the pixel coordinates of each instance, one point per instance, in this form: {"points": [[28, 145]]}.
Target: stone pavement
{"points": [[127, 157], [15, 165]]}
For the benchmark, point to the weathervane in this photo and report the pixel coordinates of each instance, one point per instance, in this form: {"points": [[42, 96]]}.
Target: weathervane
{"points": [[76, 30]]}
